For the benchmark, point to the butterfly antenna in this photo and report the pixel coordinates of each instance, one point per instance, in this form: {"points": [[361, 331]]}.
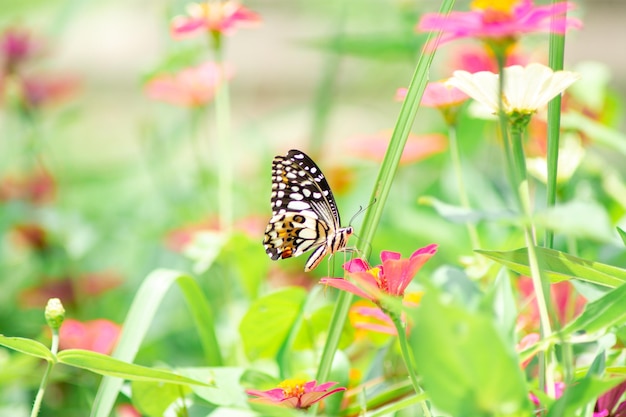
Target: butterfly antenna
{"points": [[361, 210]]}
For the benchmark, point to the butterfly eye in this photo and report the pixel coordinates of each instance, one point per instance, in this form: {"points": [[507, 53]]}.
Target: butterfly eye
{"points": [[305, 215]]}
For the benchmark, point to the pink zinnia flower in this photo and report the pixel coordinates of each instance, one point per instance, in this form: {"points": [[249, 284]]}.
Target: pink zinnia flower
{"points": [[390, 278], [417, 147], [438, 94], [498, 20], [44, 90], [96, 335], [295, 393], [192, 87], [216, 17]]}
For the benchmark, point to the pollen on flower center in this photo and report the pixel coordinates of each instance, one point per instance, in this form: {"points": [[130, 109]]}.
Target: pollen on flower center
{"points": [[292, 388], [504, 6]]}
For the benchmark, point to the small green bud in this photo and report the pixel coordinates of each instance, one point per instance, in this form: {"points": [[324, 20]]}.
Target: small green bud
{"points": [[55, 313]]}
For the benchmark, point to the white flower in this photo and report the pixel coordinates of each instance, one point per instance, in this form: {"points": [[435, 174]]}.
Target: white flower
{"points": [[526, 89]]}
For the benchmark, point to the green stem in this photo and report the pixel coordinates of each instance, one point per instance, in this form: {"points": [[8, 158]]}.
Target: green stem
{"points": [[556, 56], [225, 144], [540, 285], [408, 361], [44, 381], [458, 172], [382, 187]]}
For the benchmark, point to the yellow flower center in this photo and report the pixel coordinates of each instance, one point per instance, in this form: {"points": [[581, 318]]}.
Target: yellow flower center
{"points": [[505, 6], [292, 388], [380, 280]]}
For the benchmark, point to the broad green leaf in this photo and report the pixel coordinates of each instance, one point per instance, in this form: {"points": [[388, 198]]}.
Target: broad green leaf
{"points": [[584, 220], [602, 313], [138, 320], [106, 365], [251, 264], [153, 398], [28, 346], [267, 323], [202, 315], [226, 391], [466, 367], [579, 394], [559, 266]]}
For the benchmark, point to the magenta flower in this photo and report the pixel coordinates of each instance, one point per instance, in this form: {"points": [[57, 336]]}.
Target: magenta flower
{"points": [[192, 87], [499, 20], [295, 393], [215, 17], [608, 404], [16, 46], [390, 278]]}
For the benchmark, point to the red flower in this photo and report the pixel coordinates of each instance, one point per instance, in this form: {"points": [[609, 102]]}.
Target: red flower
{"points": [[192, 87], [216, 17], [567, 302], [390, 278], [295, 393], [96, 335], [499, 20]]}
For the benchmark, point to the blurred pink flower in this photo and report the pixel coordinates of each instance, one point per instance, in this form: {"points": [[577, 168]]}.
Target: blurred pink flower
{"points": [[295, 393], [527, 341], [609, 405], [437, 94], [499, 20], [126, 410], [31, 235], [96, 335], [45, 90], [567, 303], [417, 147], [16, 46], [216, 17], [390, 278], [559, 387], [191, 87], [476, 58]]}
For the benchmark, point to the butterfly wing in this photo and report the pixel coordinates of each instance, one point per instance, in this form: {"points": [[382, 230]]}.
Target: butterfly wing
{"points": [[304, 213]]}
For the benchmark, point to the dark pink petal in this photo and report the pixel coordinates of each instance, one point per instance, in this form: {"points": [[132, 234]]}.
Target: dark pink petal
{"points": [[318, 388], [309, 399], [274, 395], [185, 27], [345, 285], [386, 255], [609, 399], [356, 265], [430, 250]]}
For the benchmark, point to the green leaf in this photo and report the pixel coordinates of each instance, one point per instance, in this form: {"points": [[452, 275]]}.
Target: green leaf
{"points": [[108, 366], [28, 346], [466, 368], [138, 320], [267, 323], [613, 139], [462, 215], [602, 313], [622, 235], [152, 398], [559, 266], [251, 264], [227, 390]]}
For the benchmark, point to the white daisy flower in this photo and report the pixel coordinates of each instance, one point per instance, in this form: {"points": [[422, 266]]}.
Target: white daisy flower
{"points": [[526, 89]]}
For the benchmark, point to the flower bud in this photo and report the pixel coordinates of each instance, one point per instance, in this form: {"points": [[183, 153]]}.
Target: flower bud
{"points": [[55, 313]]}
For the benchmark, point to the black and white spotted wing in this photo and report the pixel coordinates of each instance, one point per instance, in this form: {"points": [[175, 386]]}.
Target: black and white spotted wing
{"points": [[304, 213]]}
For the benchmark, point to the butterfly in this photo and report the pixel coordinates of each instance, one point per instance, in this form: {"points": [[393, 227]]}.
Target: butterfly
{"points": [[304, 212]]}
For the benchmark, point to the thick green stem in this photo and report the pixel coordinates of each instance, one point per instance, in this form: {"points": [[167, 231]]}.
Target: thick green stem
{"points": [[408, 361]]}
